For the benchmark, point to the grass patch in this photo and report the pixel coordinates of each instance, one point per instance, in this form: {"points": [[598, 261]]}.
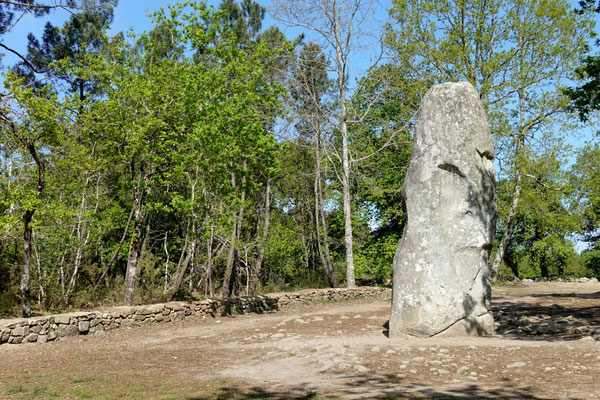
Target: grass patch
{"points": [[16, 389], [82, 393], [82, 380], [37, 393]]}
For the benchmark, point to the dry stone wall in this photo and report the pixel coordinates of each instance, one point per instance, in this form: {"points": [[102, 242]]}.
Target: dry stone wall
{"points": [[55, 327]]}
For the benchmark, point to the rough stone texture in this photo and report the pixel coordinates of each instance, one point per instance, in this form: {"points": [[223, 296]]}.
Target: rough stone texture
{"points": [[440, 283], [47, 329], [84, 326], [67, 330], [62, 319]]}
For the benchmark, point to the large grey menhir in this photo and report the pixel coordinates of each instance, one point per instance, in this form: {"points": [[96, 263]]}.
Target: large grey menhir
{"points": [[440, 282]]}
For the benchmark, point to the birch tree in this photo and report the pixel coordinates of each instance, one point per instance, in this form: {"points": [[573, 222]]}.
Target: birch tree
{"points": [[340, 25]]}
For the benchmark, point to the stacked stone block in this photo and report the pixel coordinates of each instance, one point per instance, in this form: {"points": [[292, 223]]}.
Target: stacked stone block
{"points": [[55, 327]]}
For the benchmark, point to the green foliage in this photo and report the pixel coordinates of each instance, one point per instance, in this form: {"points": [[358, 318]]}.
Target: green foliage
{"points": [[81, 34], [516, 53], [285, 254], [163, 143], [550, 257], [584, 98], [585, 175], [374, 258], [384, 140], [590, 259], [174, 124]]}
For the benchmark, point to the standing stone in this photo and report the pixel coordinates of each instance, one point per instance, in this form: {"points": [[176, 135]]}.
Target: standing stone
{"points": [[440, 283]]}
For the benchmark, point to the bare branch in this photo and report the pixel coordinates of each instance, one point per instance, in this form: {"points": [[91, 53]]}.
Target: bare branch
{"points": [[21, 57], [539, 182], [63, 5]]}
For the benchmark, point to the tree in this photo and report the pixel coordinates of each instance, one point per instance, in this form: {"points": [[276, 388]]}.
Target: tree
{"points": [[252, 223], [34, 122], [11, 13], [340, 25], [591, 259], [310, 88], [189, 129], [392, 98], [61, 56], [517, 53], [25, 124], [82, 33], [544, 220], [585, 177]]}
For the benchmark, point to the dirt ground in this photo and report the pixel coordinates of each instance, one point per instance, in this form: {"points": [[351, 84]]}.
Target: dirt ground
{"points": [[545, 348]]}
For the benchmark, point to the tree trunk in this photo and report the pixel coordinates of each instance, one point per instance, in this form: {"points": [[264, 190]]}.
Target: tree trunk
{"points": [[263, 240], [229, 267], [25, 276], [82, 232], [208, 289], [227, 281], [341, 64], [118, 249], [320, 213], [347, 210], [184, 267], [166, 286], [510, 223], [27, 218], [28, 235], [134, 250], [40, 275]]}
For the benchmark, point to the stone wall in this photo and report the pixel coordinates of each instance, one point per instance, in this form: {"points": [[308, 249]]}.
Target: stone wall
{"points": [[328, 295], [54, 327]]}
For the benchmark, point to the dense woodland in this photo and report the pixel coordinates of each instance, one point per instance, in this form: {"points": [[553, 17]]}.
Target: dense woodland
{"points": [[214, 156]]}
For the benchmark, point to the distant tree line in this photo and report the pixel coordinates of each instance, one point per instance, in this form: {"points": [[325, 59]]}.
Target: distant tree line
{"points": [[213, 157]]}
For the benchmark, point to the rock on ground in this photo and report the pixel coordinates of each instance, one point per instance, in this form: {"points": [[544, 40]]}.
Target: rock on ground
{"points": [[440, 268]]}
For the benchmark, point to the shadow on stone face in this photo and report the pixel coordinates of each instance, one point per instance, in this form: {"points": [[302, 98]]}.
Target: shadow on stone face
{"points": [[386, 329]]}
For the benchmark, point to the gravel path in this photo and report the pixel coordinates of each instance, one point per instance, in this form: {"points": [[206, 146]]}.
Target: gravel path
{"points": [[545, 348]]}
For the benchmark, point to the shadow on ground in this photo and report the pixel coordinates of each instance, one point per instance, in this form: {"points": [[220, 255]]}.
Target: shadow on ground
{"points": [[595, 295], [526, 321], [388, 387], [553, 322]]}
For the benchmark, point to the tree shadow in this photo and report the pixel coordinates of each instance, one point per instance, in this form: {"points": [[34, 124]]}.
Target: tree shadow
{"points": [[257, 392], [391, 386], [526, 321], [594, 296], [378, 387]]}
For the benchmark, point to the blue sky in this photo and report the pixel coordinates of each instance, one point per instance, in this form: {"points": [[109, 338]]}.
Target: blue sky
{"points": [[133, 14]]}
